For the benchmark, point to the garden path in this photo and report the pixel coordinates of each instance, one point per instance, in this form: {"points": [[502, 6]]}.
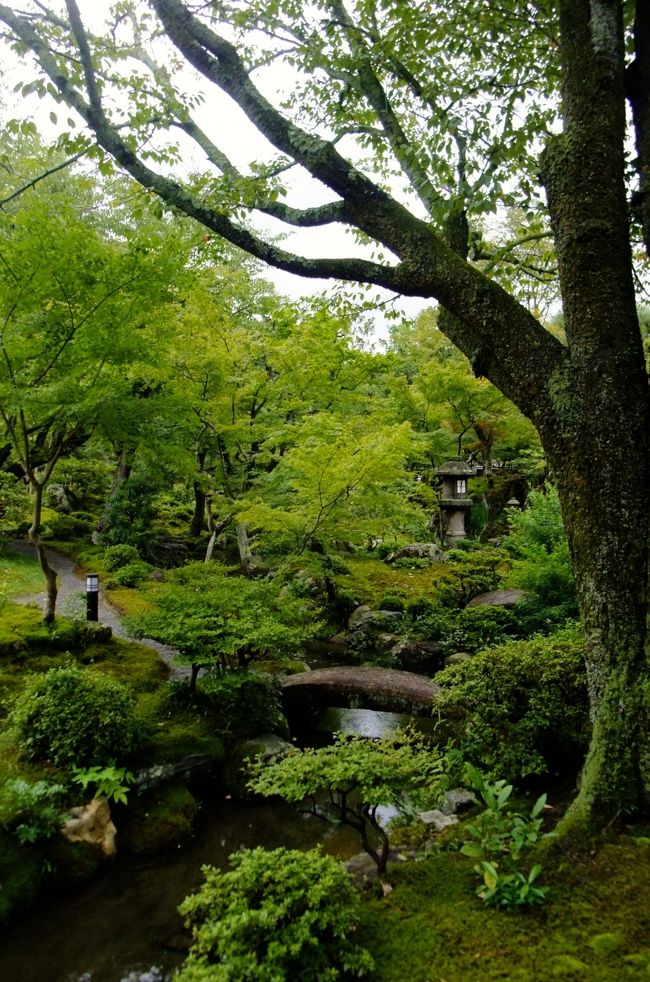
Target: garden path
{"points": [[70, 584]]}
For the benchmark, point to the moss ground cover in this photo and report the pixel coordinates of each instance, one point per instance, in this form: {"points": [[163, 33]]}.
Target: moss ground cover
{"points": [[19, 575], [370, 579], [595, 926]]}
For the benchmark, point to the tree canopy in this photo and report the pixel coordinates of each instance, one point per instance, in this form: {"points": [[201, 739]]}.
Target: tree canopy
{"points": [[416, 122]]}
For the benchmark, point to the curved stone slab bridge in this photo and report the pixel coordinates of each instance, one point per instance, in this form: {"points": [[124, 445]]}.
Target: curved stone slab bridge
{"points": [[370, 688]]}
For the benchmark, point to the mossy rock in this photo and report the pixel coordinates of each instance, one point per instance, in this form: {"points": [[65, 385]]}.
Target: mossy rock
{"points": [[182, 738], [158, 820]]}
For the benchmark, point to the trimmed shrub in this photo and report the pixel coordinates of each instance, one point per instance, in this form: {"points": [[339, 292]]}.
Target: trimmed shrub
{"points": [[275, 915], [116, 557], [74, 716], [132, 574], [521, 708]]}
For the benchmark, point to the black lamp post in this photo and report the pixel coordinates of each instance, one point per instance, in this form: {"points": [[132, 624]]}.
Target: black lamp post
{"points": [[92, 597]]}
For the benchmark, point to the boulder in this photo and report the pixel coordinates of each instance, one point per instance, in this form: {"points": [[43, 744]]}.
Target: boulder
{"points": [[364, 617], [457, 658], [186, 768], [419, 550], [498, 598], [92, 823], [417, 656], [458, 800], [437, 819]]}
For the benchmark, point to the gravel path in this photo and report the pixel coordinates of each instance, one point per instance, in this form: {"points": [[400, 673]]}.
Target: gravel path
{"points": [[70, 583]]}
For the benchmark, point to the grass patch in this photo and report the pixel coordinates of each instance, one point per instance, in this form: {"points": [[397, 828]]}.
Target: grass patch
{"points": [[595, 926], [19, 575], [131, 602]]}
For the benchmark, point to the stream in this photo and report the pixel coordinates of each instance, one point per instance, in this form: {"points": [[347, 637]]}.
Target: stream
{"points": [[123, 926]]}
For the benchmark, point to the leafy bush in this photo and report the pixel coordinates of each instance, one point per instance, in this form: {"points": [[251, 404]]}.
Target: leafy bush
{"points": [[521, 708], [31, 811], [116, 557], [427, 620], [244, 703], [222, 622], [109, 782], [275, 915], [471, 574], [393, 601], [75, 716], [499, 839], [479, 627], [72, 526], [542, 565], [132, 574]]}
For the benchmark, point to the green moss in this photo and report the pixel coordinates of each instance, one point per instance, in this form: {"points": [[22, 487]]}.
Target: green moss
{"points": [[160, 819], [595, 925], [371, 579]]}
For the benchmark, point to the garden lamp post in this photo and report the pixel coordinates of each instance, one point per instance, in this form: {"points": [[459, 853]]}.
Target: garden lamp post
{"points": [[92, 597]]}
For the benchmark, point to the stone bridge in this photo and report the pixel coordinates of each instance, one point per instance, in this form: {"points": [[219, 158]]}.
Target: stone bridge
{"points": [[370, 688]]}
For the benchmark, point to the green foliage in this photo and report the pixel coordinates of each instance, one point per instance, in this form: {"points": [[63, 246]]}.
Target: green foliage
{"points": [[542, 564], [521, 708], [109, 782], [278, 915], [76, 717], [130, 513], [480, 627], [132, 574], [243, 703], [499, 839], [118, 556], [393, 601], [31, 811], [66, 527], [358, 776], [472, 573], [220, 621]]}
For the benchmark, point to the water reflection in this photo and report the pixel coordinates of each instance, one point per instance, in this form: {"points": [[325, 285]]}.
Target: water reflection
{"points": [[367, 722]]}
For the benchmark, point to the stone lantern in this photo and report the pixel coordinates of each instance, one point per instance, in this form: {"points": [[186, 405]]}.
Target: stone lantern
{"points": [[454, 499]]}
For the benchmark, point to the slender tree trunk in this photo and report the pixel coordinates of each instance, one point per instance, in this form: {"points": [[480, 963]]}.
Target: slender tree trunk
{"points": [[35, 538], [122, 471], [245, 553], [214, 528], [196, 524]]}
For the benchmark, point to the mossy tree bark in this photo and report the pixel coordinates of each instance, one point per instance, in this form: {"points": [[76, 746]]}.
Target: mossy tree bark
{"points": [[598, 442], [588, 398]]}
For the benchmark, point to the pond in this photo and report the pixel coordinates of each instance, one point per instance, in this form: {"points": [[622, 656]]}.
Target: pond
{"points": [[123, 926]]}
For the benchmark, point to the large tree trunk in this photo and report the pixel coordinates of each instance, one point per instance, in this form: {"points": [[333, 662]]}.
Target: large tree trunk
{"points": [[35, 538], [597, 443]]}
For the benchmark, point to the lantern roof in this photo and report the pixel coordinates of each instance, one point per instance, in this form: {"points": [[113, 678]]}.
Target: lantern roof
{"points": [[456, 467]]}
